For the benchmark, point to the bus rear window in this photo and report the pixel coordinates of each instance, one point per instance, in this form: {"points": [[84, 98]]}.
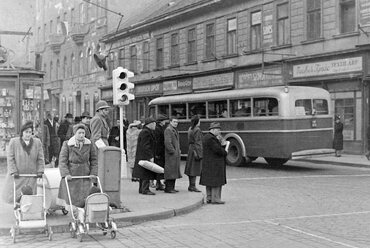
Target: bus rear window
{"points": [[164, 110], [179, 110], [321, 106], [311, 106]]}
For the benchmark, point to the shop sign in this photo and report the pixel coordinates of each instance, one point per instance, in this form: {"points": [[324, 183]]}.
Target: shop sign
{"points": [[267, 25], [213, 81], [178, 86], [364, 13], [148, 89], [328, 67], [270, 77]]}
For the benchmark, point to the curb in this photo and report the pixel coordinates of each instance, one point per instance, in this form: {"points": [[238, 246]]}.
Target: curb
{"points": [[335, 163]]}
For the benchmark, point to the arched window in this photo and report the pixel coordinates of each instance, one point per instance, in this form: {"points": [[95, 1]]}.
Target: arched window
{"points": [[65, 68], [57, 70], [89, 60], [81, 63], [72, 67]]}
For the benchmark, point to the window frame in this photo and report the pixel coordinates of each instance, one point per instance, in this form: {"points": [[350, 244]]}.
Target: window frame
{"points": [[314, 14], [210, 41], [191, 46], [256, 40], [285, 20], [175, 49], [159, 54], [231, 36], [146, 56]]}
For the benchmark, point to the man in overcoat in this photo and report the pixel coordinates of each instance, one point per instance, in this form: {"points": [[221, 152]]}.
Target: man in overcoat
{"points": [[159, 158], [99, 125], [213, 174], [145, 151], [172, 156], [54, 147]]}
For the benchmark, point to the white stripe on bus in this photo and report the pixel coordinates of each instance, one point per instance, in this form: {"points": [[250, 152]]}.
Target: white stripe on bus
{"points": [[273, 131]]}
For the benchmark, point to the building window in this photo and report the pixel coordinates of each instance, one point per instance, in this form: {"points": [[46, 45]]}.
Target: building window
{"points": [[347, 16], [110, 63], [87, 102], [121, 59], [313, 19], [231, 36], [70, 104], [95, 101], [133, 58], [89, 60], [283, 36], [72, 67], [192, 52], [57, 70], [65, 68], [175, 57], [81, 63], [210, 41], [51, 71], [256, 30], [146, 56], [159, 57]]}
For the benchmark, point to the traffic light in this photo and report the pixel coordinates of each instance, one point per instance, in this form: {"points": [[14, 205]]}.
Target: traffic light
{"points": [[121, 86]]}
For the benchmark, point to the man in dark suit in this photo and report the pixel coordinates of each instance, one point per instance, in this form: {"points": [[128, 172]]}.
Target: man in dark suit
{"points": [[54, 139]]}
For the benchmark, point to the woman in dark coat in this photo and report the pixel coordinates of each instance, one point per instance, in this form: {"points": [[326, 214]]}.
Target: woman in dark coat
{"points": [[78, 157], [195, 153], [145, 151], [213, 174], [338, 136]]}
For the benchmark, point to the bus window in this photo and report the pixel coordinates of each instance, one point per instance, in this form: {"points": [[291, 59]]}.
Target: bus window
{"points": [[217, 109], [164, 109], [273, 107], [306, 104], [179, 110], [197, 108], [261, 106], [240, 108], [320, 106], [152, 111]]}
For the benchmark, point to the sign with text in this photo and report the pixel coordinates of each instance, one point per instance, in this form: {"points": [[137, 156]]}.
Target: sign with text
{"points": [[255, 78], [178, 86], [214, 81], [148, 89], [328, 67]]}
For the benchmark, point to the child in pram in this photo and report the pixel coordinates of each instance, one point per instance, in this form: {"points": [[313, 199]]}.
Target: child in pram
{"points": [[25, 190]]}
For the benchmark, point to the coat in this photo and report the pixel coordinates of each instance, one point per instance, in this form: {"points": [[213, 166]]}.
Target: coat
{"points": [[214, 162], [159, 158], [19, 161], [144, 151], [132, 135], [338, 136], [172, 153], [76, 162], [64, 131], [54, 139], [99, 129], [193, 164]]}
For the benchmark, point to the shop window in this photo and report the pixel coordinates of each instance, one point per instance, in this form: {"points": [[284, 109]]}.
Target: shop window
{"points": [[159, 53], [192, 46], [197, 108], [175, 49], [346, 109], [133, 58], [256, 30], [231, 36], [283, 31], [313, 19], [210, 41], [240, 107], [217, 109], [8, 115], [164, 110], [347, 16], [178, 110], [146, 58]]}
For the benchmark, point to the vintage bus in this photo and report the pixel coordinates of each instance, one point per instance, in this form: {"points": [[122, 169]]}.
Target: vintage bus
{"points": [[275, 123]]}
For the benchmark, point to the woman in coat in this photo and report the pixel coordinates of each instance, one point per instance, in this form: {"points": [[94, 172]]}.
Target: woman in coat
{"points": [[338, 136], [132, 135], [195, 153], [25, 156], [213, 174], [78, 157]]}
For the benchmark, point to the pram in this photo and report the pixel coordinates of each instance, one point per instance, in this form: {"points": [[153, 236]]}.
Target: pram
{"points": [[96, 211], [31, 213]]}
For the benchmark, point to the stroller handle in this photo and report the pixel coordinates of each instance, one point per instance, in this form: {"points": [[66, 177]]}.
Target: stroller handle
{"points": [[29, 175]]}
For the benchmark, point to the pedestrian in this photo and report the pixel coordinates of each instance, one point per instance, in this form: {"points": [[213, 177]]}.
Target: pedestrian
{"points": [[99, 125], [159, 158], [132, 135], [145, 151], [172, 156], [25, 156], [78, 157], [54, 148], [195, 153], [65, 131], [338, 136], [85, 119], [213, 174], [44, 136]]}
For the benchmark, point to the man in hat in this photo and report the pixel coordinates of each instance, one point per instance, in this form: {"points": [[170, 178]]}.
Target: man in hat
{"points": [[159, 147], [54, 146], [213, 174], [99, 125], [145, 151], [65, 131], [85, 119]]}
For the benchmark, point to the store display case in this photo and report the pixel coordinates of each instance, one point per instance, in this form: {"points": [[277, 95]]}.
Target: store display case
{"points": [[7, 115]]}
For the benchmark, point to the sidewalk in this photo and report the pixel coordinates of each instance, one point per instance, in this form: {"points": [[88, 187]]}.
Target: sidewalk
{"points": [[345, 159]]}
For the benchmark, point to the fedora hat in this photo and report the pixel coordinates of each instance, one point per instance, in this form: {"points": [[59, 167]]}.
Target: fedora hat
{"points": [[214, 125], [102, 105], [162, 117], [68, 115], [85, 114], [148, 120]]}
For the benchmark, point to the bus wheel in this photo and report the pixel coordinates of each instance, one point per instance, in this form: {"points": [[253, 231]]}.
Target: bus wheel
{"points": [[235, 155], [276, 161]]}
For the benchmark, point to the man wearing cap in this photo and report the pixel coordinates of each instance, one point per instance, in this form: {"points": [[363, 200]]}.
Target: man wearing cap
{"points": [[145, 151], [99, 125], [159, 158], [65, 131], [213, 174], [85, 119]]}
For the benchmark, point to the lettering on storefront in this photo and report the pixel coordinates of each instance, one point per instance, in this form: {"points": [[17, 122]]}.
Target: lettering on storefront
{"points": [[328, 67], [270, 77], [178, 86], [148, 89], [213, 81]]}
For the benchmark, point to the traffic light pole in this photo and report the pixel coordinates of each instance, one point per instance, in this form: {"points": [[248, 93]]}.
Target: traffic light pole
{"points": [[124, 168]]}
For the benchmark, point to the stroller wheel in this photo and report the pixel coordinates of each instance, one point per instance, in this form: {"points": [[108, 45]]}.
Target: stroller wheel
{"points": [[113, 234], [72, 230], [64, 211]]}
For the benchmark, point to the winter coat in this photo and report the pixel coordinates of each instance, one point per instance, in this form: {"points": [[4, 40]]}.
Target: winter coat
{"points": [[77, 162], [338, 136], [214, 162], [159, 158], [64, 132], [18, 160], [99, 129], [54, 139], [193, 162], [132, 136], [144, 151], [172, 153], [87, 131]]}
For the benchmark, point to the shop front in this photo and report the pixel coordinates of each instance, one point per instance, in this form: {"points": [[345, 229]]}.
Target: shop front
{"points": [[144, 93]]}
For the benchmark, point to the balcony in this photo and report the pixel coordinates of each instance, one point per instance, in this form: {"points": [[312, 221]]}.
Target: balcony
{"points": [[78, 33], [56, 41]]}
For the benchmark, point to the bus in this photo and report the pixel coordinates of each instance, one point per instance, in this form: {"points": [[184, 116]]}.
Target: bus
{"points": [[276, 123]]}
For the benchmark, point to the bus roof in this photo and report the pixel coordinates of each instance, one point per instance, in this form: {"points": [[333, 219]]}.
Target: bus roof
{"points": [[300, 92]]}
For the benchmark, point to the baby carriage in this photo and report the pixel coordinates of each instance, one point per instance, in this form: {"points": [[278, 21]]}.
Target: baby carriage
{"points": [[31, 212], [96, 211]]}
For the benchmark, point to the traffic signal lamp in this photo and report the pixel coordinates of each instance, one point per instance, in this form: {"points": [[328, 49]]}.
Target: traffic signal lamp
{"points": [[122, 86]]}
